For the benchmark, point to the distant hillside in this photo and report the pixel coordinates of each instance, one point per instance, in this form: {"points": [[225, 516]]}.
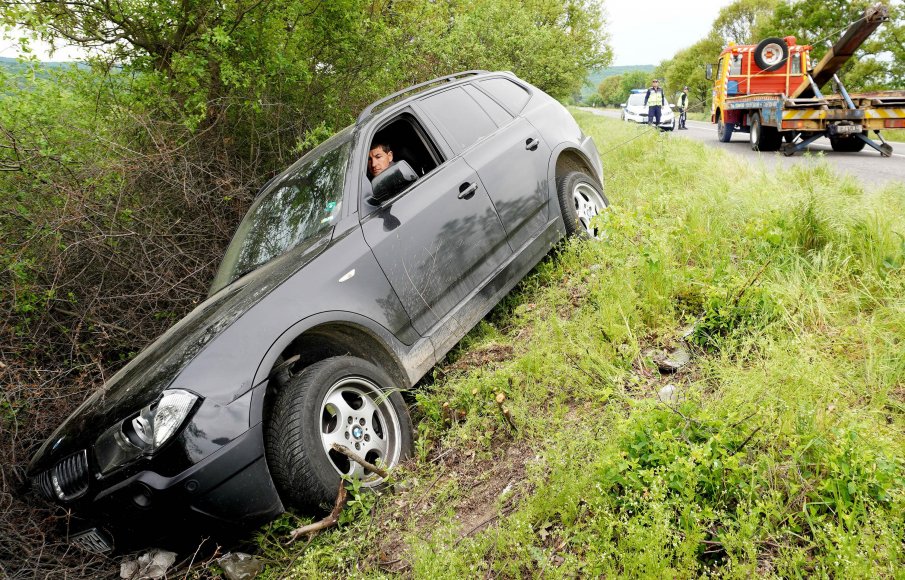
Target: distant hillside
{"points": [[13, 66], [597, 75]]}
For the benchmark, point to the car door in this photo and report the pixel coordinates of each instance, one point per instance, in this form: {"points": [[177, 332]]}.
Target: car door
{"points": [[511, 158], [437, 240]]}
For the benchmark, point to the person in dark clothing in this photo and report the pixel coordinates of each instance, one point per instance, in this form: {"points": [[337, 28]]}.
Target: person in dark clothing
{"points": [[654, 101], [683, 108]]}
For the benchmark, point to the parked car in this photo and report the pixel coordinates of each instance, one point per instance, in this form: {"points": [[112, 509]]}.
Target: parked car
{"points": [[634, 110], [336, 293]]}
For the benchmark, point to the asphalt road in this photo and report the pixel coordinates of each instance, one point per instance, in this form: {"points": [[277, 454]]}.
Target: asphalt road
{"points": [[866, 165]]}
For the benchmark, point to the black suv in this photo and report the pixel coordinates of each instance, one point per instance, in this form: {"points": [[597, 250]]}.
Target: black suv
{"points": [[337, 291]]}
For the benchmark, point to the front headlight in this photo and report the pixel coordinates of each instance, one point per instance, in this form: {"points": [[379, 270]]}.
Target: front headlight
{"points": [[146, 432]]}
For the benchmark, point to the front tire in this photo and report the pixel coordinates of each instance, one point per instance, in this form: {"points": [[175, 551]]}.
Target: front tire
{"points": [[343, 400], [724, 130], [580, 199]]}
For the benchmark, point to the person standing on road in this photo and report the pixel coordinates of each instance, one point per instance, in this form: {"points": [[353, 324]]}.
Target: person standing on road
{"points": [[654, 101], [683, 108]]}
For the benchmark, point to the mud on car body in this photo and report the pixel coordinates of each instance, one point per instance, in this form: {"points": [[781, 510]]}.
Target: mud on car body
{"points": [[336, 293]]}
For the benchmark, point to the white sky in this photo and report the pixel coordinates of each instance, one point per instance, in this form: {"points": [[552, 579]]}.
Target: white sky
{"points": [[650, 31], [641, 32]]}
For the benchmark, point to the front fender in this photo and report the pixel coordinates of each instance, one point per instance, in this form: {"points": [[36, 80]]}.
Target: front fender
{"points": [[411, 362]]}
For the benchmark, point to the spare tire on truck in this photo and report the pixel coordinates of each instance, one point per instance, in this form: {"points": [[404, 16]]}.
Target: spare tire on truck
{"points": [[771, 54]]}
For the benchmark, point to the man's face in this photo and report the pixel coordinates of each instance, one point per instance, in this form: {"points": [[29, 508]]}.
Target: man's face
{"points": [[378, 160], [656, 85]]}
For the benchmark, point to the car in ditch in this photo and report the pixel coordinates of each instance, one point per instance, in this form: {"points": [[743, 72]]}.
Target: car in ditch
{"points": [[342, 287], [635, 111]]}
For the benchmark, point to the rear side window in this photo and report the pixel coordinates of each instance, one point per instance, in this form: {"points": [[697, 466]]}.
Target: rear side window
{"points": [[507, 92], [499, 115], [460, 116]]}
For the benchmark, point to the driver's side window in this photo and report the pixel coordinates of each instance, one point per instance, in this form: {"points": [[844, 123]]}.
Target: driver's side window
{"points": [[399, 154]]}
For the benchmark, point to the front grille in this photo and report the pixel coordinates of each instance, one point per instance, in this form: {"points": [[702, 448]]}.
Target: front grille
{"points": [[67, 480]]}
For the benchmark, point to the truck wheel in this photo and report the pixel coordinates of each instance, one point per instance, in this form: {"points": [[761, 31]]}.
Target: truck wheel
{"points": [[846, 144], [763, 138], [343, 400], [580, 199], [724, 130], [771, 54]]}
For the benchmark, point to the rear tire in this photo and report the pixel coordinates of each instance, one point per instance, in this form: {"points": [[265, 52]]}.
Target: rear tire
{"points": [[343, 400], [847, 144], [763, 138], [580, 199]]}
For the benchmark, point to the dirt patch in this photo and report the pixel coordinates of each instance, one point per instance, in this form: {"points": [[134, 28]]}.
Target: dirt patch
{"points": [[490, 355], [486, 488], [577, 296]]}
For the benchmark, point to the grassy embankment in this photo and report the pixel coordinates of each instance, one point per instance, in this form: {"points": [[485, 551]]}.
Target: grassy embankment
{"points": [[785, 454]]}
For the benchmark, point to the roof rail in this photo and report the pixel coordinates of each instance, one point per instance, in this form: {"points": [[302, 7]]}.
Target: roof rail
{"points": [[448, 78]]}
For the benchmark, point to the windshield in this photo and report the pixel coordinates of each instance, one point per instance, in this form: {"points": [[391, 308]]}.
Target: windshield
{"points": [[301, 202]]}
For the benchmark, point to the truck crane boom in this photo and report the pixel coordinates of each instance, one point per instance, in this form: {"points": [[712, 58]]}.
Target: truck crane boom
{"points": [[843, 50]]}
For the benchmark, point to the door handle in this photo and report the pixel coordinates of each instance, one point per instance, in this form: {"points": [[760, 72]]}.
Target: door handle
{"points": [[466, 190], [531, 144]]}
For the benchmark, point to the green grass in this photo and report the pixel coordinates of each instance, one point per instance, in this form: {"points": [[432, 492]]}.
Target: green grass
{"points": [[785, 454]]}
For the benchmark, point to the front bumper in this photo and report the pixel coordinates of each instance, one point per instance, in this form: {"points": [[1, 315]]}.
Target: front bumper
{"points": [[667, 123], [229, 490]]}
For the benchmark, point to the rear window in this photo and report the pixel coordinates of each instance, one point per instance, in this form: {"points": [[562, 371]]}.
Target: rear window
{"points": [[507, 92]]}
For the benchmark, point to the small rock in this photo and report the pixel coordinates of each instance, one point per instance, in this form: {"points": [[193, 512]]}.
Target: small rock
{"points": [[149, 566], [670, 363], [128, 569], [688, 330], [240, 566], [669, 394]]}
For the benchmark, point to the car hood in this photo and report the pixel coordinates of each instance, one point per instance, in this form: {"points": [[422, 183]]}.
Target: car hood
{"points": [[141, 381]]}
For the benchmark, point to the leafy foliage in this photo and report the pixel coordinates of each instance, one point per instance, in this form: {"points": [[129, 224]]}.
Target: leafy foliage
{"points": [[122, 178], [616, 89]]}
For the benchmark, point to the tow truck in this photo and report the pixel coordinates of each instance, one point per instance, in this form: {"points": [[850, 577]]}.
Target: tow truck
{"points": [[771, 91]]}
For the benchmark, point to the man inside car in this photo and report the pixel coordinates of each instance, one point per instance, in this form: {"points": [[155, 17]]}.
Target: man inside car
{"points": [[380, 157]]}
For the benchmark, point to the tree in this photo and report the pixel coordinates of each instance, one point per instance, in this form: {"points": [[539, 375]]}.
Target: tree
{"points": [[878, 64], [687, 67], [610, 91], [741, 22]]}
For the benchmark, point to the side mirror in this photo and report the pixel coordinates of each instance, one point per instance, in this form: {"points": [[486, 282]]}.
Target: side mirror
{"points": [[708, 71], [624, 105], [393, 180]]}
